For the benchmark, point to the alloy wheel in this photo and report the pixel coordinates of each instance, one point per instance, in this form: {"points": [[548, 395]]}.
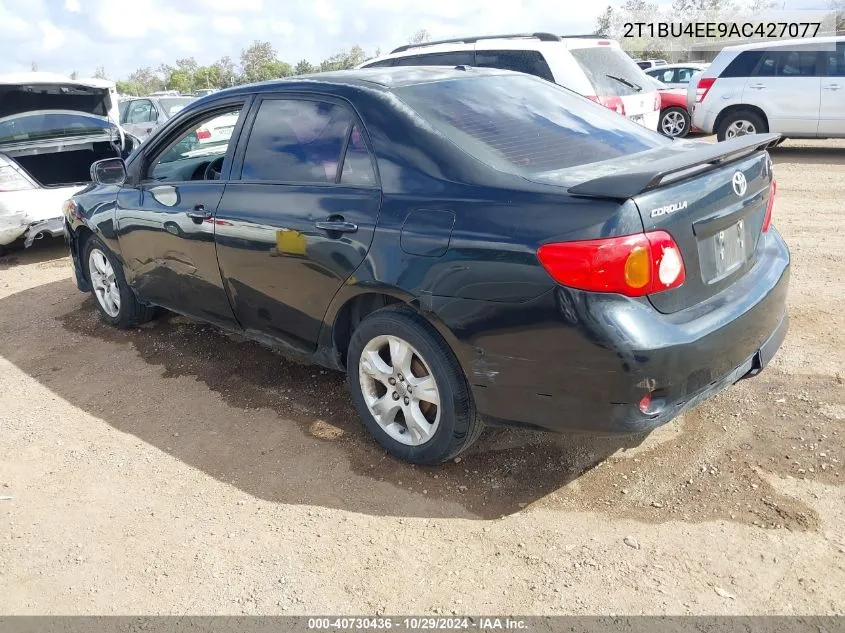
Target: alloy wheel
{"points": [[673, 124], [104, 282], [399, 390], [740, 127]]}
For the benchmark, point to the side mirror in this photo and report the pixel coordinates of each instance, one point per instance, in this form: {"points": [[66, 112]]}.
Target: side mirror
{"points": [[109, 171]]}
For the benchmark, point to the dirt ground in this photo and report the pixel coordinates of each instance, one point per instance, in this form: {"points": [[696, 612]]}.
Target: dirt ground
{"points": [[173, 469]]}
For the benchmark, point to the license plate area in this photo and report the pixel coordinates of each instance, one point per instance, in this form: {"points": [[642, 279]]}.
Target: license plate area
{"points": [[724, 252]]}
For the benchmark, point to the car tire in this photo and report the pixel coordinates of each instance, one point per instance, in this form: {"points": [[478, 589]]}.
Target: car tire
{"points": [[674, 122], [740, 123], [399, 347], [112, 295]]}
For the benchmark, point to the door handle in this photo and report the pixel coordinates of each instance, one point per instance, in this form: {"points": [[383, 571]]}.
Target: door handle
{"points": [[757, 86], [832, 87], [198, 214], [336, 226]]}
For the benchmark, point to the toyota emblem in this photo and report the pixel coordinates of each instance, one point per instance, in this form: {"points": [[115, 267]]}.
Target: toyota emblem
{"points": [[739, 183]]}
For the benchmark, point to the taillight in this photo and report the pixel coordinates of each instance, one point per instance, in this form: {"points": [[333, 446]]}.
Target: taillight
{"points": [[203, 134], [614, 103], [593, 98], [603, 43], [703, 87], [632, 265], [657, 101], [767, 219]]}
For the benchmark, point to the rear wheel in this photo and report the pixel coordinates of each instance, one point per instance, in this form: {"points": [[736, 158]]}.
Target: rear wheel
{"points": [[409, 388], [114, 298], [674, 122], [741, 123]]}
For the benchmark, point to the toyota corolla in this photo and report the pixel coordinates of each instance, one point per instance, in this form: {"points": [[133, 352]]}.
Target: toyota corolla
{"points": [[470, 246]]}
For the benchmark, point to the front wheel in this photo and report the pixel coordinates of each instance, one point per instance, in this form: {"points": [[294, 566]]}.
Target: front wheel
{"points": [[674, 122], [114, 298], [409, 388]]}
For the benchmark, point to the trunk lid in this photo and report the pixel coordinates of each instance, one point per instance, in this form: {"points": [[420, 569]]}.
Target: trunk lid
{"points": [[36, 107], [716, 220], [710, 197]]}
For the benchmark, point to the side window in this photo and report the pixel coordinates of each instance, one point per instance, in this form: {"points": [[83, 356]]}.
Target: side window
{"points": [[357, 167], [296, 141], [204, 143], [529, 62], [787, 63], [667, 76], [682, 75], [835, 62], [743, 65], [140, 111], [456, 58]]}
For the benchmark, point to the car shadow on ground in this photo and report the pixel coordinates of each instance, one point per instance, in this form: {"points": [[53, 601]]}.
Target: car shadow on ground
{"points": [[278, 429], [43, 250], [808, 155]]}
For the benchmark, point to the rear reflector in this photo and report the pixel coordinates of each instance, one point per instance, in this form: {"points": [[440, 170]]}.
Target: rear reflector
{"points": [[703, 87], [632, 265], [767, 219]]}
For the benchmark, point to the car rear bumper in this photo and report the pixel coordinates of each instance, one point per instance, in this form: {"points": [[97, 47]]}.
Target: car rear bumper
{"points": [[583, 362]]}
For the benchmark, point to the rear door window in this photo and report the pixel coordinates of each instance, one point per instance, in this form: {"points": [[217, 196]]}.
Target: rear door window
{"points": [[529, 62], [787, 63], [455, 58], [522, 125], [296, 141], [743, 65], [610, 70], [141, 111], [834, 62]]}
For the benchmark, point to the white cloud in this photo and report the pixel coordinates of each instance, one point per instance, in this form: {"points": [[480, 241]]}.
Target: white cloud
{"points": [[229, 24], [72, 6], [52, 37]]}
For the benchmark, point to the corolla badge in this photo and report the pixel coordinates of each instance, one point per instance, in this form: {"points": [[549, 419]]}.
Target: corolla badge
{"points": [[669, 208], [739, 183]]}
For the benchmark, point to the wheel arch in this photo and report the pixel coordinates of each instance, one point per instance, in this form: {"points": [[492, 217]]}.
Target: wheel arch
{"points": [[739, 107], [353, 304]]}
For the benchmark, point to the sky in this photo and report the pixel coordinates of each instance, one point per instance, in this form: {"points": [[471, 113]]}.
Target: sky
{"points": [[79, 35]]}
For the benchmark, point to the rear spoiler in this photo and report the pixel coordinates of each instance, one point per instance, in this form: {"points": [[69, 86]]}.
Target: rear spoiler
{"points": [[627, 184]]}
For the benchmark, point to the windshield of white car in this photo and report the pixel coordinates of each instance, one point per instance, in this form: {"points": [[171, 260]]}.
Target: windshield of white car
{"points": [[32, 126], [173, 105], [525, 125]]}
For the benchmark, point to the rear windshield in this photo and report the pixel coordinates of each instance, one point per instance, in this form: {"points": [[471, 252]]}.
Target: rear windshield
{"points": [[172, 106], [521, 124], [34, 126], [610, 70]]}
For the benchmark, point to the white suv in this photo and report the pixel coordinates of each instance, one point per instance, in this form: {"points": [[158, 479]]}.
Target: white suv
{"points": [[794, 87], [591, 66]]}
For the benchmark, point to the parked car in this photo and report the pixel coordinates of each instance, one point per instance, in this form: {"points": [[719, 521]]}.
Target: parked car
{"points": [[205, 92], [674, 119], [51, 131], [142, 115], [468, 245], [591, 66], [675, 75], [793, 87], [645, 64]]}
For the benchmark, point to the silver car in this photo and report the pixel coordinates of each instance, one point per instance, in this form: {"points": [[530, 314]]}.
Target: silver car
{"points": [[140, 116]]}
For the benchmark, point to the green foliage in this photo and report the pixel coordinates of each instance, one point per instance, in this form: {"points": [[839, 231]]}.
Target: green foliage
{"points": [[258, 62]]}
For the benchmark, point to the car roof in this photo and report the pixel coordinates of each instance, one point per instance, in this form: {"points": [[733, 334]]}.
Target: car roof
{"points": [[34, 78], [384, 78], [518, 41], [678, 65], [833, 39]]}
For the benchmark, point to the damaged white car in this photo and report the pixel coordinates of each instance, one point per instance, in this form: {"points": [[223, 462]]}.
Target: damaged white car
{"points": [[51, 130]]}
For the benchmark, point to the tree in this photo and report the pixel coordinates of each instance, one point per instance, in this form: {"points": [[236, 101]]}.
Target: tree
{"points": [[604, 23], [100, 73], [34, 66], [74, 75], [344, 60], [258, 62], [304, 67], [224, 69], [418, 38], [838, 8]]}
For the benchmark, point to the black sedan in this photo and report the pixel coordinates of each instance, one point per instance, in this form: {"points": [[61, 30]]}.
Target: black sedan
{"points": [[468, 245]]}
